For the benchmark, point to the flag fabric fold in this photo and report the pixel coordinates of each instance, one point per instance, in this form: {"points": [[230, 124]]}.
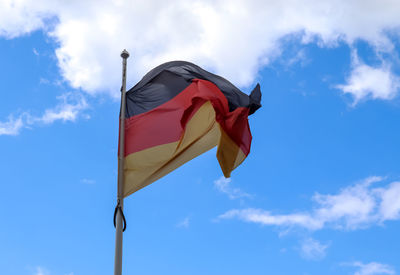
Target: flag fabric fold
{"points": [[179, 111]]}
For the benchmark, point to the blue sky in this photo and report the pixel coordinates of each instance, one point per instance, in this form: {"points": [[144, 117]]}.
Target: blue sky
{"points": [[318, 194]]}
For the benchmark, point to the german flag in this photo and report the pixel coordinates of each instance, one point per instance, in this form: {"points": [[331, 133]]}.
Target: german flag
{"points": [[179, 111]]}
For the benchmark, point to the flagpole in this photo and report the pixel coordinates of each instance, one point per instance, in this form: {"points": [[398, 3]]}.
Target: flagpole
{"points": [[120, 196]]}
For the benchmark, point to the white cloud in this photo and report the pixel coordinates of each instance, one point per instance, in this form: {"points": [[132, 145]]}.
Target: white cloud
{"points": [[41, 271], [299, 57], [12, 126], [213, 34], [390, 206], [266, 218], [22, 16], [371, 82], [224, 185], [354, 207], [373, 268], [313, 250], [70, 108], [184, 223], [88, 181]]}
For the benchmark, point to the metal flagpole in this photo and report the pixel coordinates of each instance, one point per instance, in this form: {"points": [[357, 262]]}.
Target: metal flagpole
{"points": [[119, 219]]}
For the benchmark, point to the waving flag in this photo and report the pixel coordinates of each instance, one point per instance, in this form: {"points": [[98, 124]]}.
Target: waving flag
{"points": [[179, 111]]}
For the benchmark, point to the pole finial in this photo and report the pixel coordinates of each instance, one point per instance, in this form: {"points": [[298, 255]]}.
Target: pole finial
{"points": [[125, 54]]}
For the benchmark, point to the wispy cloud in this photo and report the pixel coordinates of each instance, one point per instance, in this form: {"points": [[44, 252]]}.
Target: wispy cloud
{"points": [[312, 249], [373, 268], [69, 108], [390, 204], [88, 181], [266, 218], [224, 185], [370, 82], [41, 271], [353, 207], [12, 126], [299, 58], [185, 223]]}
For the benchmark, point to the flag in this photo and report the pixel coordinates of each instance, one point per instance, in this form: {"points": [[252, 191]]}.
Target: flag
{"points": [[179, 111]]}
